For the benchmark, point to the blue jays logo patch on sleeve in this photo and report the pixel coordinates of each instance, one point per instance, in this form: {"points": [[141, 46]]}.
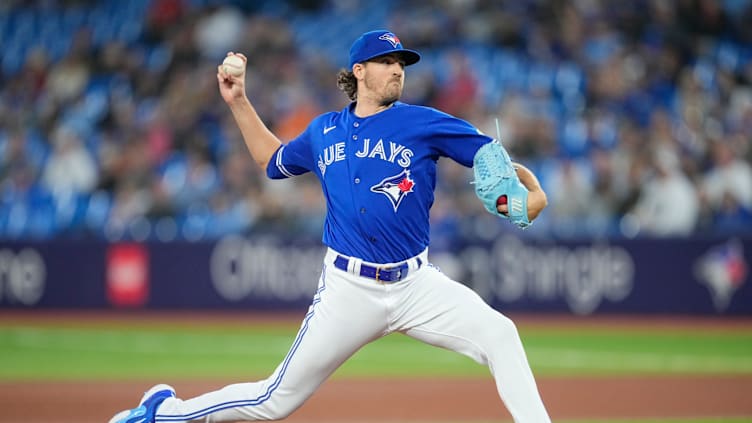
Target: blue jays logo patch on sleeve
{"points": [[396, 187]]}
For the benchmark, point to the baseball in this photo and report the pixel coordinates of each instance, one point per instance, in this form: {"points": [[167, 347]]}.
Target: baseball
{"points": [[233, 65]]}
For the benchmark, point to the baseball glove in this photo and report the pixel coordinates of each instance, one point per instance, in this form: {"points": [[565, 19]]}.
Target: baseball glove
{"points": [[496, 177]]}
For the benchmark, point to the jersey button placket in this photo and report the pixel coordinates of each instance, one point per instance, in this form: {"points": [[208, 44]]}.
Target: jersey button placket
{"points": [[356, 180]]}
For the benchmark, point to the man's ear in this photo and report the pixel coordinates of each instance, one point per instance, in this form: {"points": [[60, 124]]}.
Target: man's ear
{"points": [[358, 70]]}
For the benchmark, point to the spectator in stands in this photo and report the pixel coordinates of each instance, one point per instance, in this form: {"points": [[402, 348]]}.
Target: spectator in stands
{"points": [[457, 94], [731, 217], [668, 204], [571, 188], [70, 167], [730, 175], [601, 85], [131, 202]]}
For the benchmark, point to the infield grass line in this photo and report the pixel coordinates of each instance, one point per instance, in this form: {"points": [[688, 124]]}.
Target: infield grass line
{"points": [[190, 344], [564, 358], [80, 352]]}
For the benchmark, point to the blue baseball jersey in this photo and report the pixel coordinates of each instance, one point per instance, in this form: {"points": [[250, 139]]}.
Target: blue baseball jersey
{"points": [[378, 174]]}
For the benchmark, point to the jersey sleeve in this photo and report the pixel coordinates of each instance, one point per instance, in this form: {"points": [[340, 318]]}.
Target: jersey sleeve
{"points": [[292, 159], [456, 138]]}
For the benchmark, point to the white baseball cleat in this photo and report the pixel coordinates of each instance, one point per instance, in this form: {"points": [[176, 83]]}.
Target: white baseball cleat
{"points": [[147, 408]]}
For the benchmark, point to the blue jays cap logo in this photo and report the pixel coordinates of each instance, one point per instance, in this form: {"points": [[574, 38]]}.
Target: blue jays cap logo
{"points": [[372, 44], [396, 187], [393, 40]]}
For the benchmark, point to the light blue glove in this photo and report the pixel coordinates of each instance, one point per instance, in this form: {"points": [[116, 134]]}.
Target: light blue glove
{"points": [[495, 177]]}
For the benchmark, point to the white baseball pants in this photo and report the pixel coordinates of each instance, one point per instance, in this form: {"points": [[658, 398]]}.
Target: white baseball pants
{"points": [[349, 311]]}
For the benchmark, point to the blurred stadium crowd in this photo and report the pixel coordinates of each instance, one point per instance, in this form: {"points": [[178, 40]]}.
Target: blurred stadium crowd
{"points": [[636, 115]]}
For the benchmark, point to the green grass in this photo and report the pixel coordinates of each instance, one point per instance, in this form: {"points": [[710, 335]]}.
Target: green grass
{"points": [[216, 350], [627, 351]]}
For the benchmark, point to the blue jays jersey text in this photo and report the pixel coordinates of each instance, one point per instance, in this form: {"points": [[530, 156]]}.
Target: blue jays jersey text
{"points": [[378, 174]]}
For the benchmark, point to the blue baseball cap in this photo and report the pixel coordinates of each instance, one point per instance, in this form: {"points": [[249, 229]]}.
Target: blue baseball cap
{"points": [[378, 43]]}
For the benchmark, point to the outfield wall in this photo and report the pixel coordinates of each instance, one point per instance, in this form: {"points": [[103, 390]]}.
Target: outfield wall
{"points": [[697, 276]]}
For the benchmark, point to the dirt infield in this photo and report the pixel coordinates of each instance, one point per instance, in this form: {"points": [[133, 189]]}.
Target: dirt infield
{"points": [[407, 400], [410, 400]]}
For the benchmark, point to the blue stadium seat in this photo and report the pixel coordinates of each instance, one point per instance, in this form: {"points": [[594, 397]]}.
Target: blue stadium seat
{"points": [[97, 209], [42, 220]]}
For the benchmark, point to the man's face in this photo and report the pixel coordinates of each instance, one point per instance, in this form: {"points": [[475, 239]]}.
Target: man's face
{"points": [[384, 78]]}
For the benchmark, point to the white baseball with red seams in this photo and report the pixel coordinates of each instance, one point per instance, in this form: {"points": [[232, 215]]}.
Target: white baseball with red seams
{"points": [[233, 65]]}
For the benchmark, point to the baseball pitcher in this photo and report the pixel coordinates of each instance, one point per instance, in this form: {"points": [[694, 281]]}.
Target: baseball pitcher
{"points": [[376, 161]]}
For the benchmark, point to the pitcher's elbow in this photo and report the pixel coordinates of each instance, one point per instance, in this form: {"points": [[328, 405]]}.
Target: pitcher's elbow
{"points": [[544, 200], [537, 201]]}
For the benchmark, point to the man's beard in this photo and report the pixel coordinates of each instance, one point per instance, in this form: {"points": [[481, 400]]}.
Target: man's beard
{"points": [[388, 101], [391, 95]]}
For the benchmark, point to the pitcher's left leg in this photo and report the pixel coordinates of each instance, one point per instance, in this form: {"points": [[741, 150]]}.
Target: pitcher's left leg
{"points": [[344, 316], [442, 312]]}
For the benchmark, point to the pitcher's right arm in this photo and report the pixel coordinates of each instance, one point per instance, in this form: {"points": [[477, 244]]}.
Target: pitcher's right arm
{"points": [[259, 140]]}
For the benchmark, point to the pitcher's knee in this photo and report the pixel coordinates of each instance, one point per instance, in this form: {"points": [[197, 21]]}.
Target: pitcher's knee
{"points": [[507, 325], [503, 329]]}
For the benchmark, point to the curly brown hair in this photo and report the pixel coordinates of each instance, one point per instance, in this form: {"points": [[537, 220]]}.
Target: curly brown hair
{"points": [[347, 82]]}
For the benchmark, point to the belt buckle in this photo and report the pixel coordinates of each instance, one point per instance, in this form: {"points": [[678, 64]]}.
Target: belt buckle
{"points": [[378, 269]]}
